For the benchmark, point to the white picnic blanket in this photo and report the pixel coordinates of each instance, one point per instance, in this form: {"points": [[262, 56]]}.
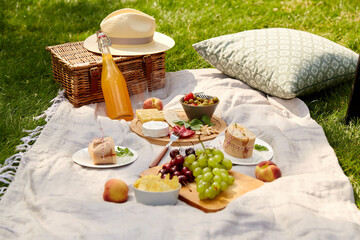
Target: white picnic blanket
{"points": [[54, 198]]}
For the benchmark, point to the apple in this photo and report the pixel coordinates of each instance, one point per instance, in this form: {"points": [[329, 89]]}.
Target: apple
{"points": [[116, 191], [267, 171], [153, 103]]}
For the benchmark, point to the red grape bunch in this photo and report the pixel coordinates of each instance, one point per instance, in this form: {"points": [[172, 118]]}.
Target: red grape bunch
{"points": [[175, 167]]}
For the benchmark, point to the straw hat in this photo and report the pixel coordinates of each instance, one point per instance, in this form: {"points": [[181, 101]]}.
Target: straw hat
{"points": [[131, 33]]}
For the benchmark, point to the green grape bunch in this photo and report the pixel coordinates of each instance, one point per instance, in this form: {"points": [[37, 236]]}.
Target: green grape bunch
{"points": [[211, 171]]}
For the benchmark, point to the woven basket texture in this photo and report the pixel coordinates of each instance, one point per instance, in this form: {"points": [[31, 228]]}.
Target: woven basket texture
{"points": [[76, 68]]}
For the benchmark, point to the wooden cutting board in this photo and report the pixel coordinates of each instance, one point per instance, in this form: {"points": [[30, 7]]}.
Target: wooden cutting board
{"points": [[220, 125], [188, 194]]}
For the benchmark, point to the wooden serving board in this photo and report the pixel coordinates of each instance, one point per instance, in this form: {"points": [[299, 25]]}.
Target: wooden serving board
{"points": [[188, 194], [220, 125]]}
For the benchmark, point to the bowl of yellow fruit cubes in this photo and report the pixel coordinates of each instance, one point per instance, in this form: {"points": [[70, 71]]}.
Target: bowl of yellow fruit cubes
{"points": [[154, 190]]}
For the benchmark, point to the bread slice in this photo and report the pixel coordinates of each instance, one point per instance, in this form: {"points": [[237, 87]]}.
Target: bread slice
{"points": [[239, 141], [102, 151]]}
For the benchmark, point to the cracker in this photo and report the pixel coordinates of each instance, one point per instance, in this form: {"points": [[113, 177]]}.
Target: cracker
{"points": [[170, 116]]}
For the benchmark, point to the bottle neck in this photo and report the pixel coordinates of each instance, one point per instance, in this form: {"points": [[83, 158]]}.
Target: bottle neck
{"points": [[104, 46]]}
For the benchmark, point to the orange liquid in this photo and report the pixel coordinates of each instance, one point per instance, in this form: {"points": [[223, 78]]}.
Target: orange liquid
{"points": [[115, 91]]}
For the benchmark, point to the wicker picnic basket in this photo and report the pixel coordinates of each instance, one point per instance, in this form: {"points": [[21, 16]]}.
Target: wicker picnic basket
{"points": [[79, 71]]}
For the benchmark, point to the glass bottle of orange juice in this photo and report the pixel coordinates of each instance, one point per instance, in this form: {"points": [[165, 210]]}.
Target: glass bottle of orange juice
{"points": [[113, 84]]}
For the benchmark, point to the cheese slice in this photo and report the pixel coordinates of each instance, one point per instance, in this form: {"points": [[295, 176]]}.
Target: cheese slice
{"points": [[239, 141], [102, 151], [146, 115]]}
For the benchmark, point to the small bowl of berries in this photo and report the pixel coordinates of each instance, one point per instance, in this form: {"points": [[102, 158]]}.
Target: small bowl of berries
{"points": [[196, 106]]}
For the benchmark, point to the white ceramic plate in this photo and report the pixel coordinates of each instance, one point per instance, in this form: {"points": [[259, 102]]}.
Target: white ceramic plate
{"points": [[256, 157], [82, 157]]}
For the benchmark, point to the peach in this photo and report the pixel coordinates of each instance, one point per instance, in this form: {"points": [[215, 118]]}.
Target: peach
{"points": [[267, 171], [116, 191], [153, 103]]}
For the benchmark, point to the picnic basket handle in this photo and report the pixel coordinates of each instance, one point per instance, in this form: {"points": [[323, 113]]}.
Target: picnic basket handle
{"points": [[95, 77]]}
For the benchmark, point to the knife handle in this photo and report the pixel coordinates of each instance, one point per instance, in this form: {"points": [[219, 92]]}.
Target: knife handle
{"points": [[159, 157]]}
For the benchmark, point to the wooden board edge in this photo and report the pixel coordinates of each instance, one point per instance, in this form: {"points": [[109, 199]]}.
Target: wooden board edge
{"points": [[205, 205], [200, 207]]}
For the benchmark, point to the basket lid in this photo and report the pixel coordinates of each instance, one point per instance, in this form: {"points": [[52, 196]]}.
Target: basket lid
{"points": [[75, 56]]}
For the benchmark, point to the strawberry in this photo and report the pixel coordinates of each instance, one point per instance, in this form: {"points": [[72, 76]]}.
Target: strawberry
{"points": [[188, 96]]}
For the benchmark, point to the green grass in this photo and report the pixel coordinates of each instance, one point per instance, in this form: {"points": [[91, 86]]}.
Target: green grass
{"points": [[27, 27]]}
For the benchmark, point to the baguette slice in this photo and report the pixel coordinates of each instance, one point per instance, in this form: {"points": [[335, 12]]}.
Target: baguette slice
{"points": [[102, 151], [239, 141]]}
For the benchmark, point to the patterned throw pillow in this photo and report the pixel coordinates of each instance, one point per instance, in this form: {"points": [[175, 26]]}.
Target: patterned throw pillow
{"points": [[281, 62]]}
